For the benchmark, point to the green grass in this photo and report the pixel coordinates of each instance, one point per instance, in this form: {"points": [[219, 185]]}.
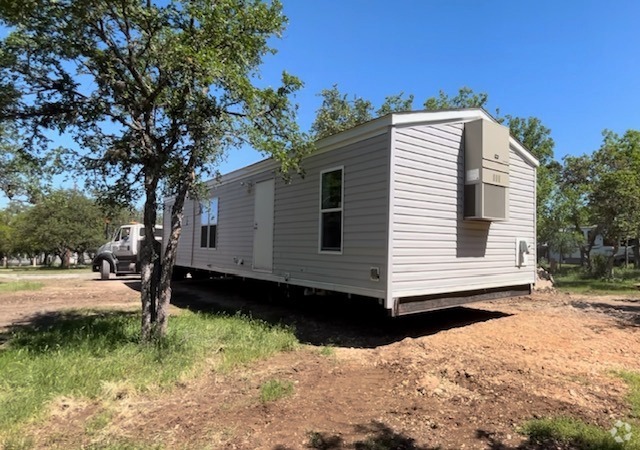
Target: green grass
{"points": [[80, 354], [98, 422], [16, 441], [633, 380], [568, 431], [327, 350], [120, 444], [572, 278], [273, 390], [582, 436], [14, 286]]}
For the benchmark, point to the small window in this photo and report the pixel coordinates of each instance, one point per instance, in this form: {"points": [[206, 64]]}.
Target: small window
{"points": [[122, 233], [331, 206], [209, 223]]}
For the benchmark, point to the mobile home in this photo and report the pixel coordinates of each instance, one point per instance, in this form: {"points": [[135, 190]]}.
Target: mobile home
{"points": [[601, 246], [420, 210]]}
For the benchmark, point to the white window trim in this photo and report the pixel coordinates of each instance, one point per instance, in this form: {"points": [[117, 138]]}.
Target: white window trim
{"points": [[202, 209], [321, 211]]}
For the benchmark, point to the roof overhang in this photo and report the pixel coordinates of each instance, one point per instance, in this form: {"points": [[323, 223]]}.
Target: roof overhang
{"points": [[377, 127], [382, 124]]}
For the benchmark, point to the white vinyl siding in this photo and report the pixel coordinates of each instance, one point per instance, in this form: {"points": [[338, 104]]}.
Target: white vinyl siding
{"points": [[434, 250], [364, 221], [234, 246], [296, 231]]}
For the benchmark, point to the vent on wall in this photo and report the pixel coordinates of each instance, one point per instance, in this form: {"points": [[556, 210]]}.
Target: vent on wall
{"points": [[486, 161]]}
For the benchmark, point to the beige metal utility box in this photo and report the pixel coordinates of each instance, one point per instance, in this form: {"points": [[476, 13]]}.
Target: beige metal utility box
{"points": [[486, 160]]}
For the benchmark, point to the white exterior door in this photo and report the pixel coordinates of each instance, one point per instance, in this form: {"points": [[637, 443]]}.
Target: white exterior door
{"points": [[263, 226]]}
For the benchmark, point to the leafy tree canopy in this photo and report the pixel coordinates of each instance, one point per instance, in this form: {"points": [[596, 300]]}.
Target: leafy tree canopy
{"points": [[466, 98], [615, 177], [23, 176], [396, 103], [338, 113], [63, 221], [154, 93]]}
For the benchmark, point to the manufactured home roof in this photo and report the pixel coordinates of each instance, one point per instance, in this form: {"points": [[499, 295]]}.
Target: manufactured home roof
{"points": [[379, 126]]}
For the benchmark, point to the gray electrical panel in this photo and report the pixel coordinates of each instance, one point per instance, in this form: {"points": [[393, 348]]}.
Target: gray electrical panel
{"points": [[486, 168]]}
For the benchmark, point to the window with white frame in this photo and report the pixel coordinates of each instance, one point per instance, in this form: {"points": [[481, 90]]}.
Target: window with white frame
{"points": [[331, 207], [209, 223]]}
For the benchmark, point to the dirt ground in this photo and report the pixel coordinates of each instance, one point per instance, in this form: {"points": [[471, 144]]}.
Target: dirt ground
{"points": [[459, 378]]}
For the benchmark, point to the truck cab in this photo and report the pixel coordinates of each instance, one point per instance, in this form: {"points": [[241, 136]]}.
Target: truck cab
{"points": [[121, 255]]}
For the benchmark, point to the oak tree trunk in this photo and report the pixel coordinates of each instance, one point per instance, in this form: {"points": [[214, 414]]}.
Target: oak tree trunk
{"points": [[149, 259], [611, 261], [168, 261], [591, 242]]}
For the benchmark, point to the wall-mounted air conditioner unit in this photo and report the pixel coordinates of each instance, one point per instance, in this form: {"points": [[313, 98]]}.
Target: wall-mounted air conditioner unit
{"points": [[486, 160]]}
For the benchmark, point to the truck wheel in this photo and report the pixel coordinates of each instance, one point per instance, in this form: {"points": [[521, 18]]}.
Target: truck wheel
{"points": [[105, 270]]}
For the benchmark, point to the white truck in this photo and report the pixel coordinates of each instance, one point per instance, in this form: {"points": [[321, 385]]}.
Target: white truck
{"points": [[121, 255]]}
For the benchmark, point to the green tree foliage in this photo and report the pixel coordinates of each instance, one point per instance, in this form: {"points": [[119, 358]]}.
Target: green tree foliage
{"points": [[569, 202], [9, 216], [615, 192], [337, 113], [537, 138], [6, 232], [565, 242], [395, 103], [22, 176], [466, 98], [154, 93], [64, 221]]}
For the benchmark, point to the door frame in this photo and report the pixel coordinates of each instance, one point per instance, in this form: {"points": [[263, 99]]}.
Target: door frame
{"points": [[267, 220]]}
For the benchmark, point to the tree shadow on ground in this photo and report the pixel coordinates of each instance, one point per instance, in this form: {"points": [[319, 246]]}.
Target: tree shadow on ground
{"points": [[41, 333], [131, 282], [379, 436], [321, 320], [626, 314], [493, 442]]}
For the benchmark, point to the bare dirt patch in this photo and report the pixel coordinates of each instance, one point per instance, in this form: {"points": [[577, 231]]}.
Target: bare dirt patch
{"points": [[61, 294], [461, 378]]}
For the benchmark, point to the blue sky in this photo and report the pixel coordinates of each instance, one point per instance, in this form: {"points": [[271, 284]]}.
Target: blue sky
{"points": [[573, 64]]}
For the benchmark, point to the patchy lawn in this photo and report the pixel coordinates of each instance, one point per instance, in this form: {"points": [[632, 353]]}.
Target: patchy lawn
{"points": [[546, 371], [572, 278]]}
